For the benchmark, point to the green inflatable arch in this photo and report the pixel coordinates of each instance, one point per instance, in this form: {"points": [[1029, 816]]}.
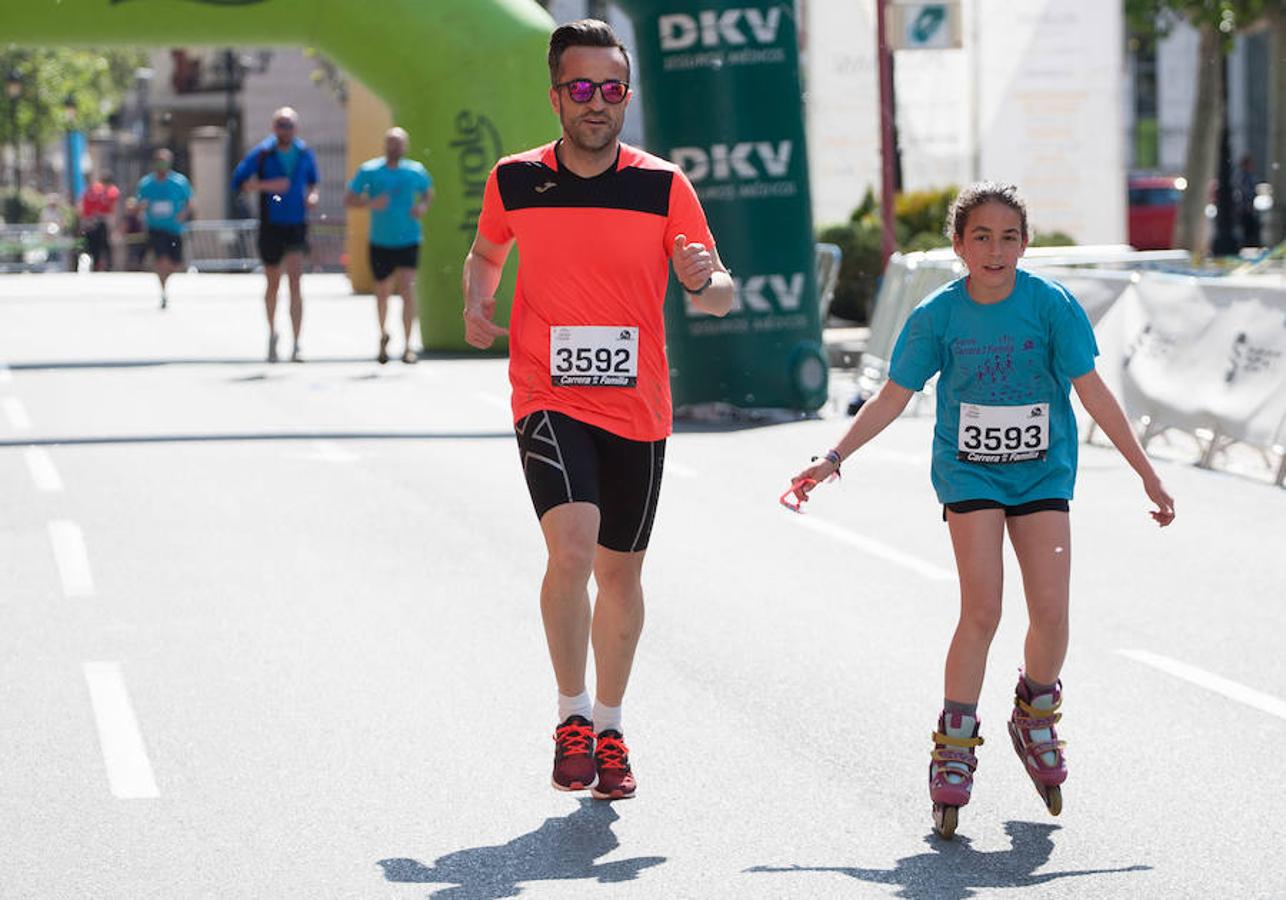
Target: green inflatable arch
{"points": [[466, 78]]}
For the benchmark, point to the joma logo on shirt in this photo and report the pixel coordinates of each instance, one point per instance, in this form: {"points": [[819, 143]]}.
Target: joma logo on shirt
{"points": [[541, 188]]}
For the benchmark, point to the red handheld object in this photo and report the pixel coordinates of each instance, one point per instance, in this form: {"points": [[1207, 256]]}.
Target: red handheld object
{"points": [[794, 492]]}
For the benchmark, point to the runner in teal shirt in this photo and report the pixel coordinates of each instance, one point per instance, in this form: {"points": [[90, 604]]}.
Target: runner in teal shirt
{"points": [[398, 192], [166, 198], [405, 183]]}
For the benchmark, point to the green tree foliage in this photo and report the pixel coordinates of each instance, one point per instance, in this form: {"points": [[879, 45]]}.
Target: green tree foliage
{"points": [[1217, 22], [93, 81], [918, 221], [1151, 19]]}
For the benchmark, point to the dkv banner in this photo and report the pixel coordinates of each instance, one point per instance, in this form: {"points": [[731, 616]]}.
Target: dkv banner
{"points": [[722, 99]]}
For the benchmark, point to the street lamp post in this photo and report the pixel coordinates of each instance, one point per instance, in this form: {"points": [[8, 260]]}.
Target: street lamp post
{"points": [[888, 144]]}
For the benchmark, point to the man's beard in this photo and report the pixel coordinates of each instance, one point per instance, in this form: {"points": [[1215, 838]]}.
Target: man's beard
{"points": [[582, 141]]}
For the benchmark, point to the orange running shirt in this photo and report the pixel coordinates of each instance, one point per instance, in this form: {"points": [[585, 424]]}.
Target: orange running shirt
{"points": [[591, 252]]}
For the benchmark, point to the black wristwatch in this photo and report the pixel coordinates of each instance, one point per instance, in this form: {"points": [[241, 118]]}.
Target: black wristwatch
{"points": [[701, 290]]}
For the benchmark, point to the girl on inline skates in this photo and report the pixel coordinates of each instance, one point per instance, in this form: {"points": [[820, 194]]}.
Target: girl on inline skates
{"points": [[1007, 346]]}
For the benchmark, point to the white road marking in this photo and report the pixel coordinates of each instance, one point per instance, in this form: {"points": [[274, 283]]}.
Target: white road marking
{"points": [[493, 399], [17, 414], [874, 547], [5, 375], [73, 561], [1232, 690], [128, 770], [43, 472]]}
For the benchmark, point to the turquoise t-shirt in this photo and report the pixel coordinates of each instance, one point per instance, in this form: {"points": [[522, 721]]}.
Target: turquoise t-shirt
{"points": [[288, 159], [1012, 364], [393, 226], [166, 198]]}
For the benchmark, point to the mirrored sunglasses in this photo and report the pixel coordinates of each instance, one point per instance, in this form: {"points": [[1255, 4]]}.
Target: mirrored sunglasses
{"points": [[582, 89]]}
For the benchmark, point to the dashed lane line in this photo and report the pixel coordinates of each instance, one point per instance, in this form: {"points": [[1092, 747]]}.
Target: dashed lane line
{"points": [[43, 471], [129, 772], [16, 413], [72, 558], [1217, 683], [875, 548]]}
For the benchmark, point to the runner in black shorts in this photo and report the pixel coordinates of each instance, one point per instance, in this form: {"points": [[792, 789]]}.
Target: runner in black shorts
{"points": [[589, 376], [282, 170], [275, 241], [398, 192], [165, 245], [568, 461], [387, 260]]}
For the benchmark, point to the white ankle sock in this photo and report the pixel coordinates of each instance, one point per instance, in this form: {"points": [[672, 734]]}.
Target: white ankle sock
{"points": [[579, 705], [606, 718]]}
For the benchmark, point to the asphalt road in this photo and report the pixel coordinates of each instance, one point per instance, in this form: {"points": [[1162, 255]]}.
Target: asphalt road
{"points": [[272, 632]]}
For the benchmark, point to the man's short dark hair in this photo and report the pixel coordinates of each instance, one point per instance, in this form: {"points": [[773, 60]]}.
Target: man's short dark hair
{"points": [[583, 33]]}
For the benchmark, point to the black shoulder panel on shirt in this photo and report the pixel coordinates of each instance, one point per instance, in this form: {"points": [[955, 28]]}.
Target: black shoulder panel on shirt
{"points": [[533, 185]]}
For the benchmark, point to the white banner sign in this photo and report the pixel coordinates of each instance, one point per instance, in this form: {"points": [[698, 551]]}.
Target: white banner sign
{"points": [[1203, 354]]}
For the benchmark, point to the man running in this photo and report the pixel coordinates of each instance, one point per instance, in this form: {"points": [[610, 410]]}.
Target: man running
{"points": [[596, 223], [283, 169], [165, 199], [98, 209], [398, 192]]}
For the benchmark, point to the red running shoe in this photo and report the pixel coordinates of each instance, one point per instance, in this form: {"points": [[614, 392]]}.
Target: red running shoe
{"points": [[574, 755], [615, 780]]}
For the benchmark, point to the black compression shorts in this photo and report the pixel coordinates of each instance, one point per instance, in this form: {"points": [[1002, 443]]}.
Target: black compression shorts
{"points": [[166, 244], [1056, 504], [566, 461], [386, 260], [275, 241]]}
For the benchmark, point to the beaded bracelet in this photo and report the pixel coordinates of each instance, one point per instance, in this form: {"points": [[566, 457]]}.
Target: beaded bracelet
{"points": [[832, 456]]}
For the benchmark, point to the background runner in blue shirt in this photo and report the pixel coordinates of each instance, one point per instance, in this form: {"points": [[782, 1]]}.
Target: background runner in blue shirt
{"points": [[398, 192], [166, 199], [1007, 347], [283, 170]]}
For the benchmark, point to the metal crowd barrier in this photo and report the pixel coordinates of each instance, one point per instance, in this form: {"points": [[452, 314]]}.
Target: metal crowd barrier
{"points": [[211, 245], [222, 245], [34, 248], [230, 245]]}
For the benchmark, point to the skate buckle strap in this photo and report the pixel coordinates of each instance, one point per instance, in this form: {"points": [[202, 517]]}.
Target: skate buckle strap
{"points": [[1043, 747], [963, 757], [952, 741], [1034, 723], [1030, 710]]}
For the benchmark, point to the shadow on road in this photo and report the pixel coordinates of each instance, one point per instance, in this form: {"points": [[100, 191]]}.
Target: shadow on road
{"points": [[559, 850], [57, 365], [954, 871], [243, 436]]}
